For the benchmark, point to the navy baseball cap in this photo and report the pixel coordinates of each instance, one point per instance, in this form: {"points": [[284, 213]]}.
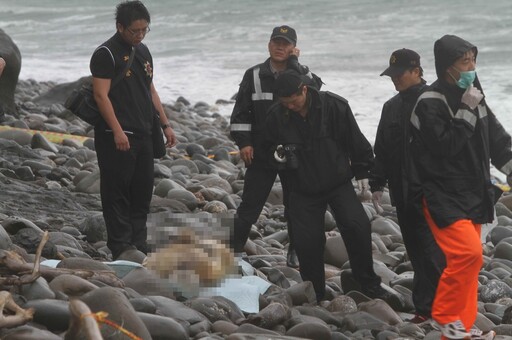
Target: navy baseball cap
{"points": [[285, 32], [401, 61]]}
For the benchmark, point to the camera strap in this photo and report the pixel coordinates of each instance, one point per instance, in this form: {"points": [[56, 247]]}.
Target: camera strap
{"points": [[121, 75]]}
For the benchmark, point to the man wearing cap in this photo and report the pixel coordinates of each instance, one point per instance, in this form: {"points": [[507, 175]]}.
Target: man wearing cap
{"points": [[455, 136], [323, 150], [255, 96], [392, 166]]}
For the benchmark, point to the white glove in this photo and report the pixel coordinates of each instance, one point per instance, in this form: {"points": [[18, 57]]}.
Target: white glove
{"points": [[376, 197], [509, 180], [363, 185], [472, 97]]}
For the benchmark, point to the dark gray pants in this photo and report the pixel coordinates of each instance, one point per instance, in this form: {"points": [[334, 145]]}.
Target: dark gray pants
{"points": [[307, 213], [426, 257], [258, 183], [126, 190]]}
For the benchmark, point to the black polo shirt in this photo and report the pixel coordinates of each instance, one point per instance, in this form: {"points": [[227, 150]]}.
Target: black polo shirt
{"points": [[131, 97]]}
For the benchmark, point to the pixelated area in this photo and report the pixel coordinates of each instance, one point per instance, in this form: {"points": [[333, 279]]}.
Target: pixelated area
{"points": [[190, 252]]}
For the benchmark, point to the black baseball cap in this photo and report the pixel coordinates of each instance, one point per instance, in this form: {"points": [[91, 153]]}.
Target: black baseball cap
{"points": [[289, 83], [285, 32], [401, 61]]}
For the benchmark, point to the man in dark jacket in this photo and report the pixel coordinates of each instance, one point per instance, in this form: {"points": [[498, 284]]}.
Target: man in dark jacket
{"points": [[255, 96], [123, 138], [455, 136], [392, 166], [321, 144]]}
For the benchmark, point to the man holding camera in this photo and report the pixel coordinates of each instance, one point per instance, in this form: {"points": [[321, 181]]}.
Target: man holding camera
{"points": [[316, 136], [255, 96]]}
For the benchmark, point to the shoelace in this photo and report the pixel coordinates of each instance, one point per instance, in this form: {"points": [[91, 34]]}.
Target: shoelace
{"points": [[452, 330], [477, 334]]}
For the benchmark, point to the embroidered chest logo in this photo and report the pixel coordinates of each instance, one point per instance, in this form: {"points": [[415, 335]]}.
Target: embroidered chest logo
{"points": [[148, 69], [125, 59]]}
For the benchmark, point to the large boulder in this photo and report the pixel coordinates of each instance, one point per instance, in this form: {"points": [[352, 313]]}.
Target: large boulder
{"points": [[60, 92], [12, 56]]}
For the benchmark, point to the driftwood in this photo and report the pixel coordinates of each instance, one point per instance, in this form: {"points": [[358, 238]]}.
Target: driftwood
{"points": [[17, 266], [15, 271], [20, 317], [34, 275], [82, 322]]}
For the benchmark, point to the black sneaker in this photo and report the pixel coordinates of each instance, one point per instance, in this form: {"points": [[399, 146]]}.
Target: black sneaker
{"points": [[418, 319], [377, 292], [292, 260], [395, 301]]}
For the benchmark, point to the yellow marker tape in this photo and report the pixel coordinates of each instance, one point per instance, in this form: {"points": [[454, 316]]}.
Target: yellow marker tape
{"points": [[54, 137], [101, 317]]}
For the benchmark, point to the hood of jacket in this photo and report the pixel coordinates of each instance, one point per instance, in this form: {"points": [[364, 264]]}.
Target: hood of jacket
{"points": [[447, 50]]}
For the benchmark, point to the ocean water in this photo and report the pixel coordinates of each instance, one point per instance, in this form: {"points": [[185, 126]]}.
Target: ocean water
{"points": [[202, 48]]}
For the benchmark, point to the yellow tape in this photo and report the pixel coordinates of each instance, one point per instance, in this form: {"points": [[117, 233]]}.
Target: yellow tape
{"points": [[101, 317], [54, 137]]}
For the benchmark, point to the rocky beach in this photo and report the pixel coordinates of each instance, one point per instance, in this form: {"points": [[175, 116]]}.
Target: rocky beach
{"points": [[49, 195]]}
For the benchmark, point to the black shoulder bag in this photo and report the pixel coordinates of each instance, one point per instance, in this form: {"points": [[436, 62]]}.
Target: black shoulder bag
{"points": [[81, 101]]}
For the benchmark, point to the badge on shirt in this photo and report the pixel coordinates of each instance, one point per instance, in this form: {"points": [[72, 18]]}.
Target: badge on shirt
{"points": [[149, 69]]}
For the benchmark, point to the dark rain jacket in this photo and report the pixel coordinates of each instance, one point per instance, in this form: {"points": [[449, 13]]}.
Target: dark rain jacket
{"points": [[330, 147], [392, 159], [453, 144], [255, 96]]}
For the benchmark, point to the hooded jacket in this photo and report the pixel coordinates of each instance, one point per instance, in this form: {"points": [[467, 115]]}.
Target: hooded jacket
{"points": [[329, 146], [255, 96], [453, 144]]}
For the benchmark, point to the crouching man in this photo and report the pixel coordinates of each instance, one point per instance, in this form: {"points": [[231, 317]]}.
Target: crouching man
{"points": [[315, 134]]}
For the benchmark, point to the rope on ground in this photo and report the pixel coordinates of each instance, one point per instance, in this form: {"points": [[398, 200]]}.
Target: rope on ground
{"points": [[101, 317]]}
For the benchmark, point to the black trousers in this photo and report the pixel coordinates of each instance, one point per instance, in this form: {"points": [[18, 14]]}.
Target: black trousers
{"points": [[307, 214], [258, 183], [426, 257], [126, 189]]}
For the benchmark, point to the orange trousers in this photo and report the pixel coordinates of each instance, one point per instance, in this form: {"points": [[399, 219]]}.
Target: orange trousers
{"points": [[457, 292]]}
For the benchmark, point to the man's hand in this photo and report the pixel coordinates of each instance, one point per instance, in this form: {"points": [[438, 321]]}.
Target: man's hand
{"points": [[247, 154], [376, 197], [122, 142], [472, 97], [170, 136]]}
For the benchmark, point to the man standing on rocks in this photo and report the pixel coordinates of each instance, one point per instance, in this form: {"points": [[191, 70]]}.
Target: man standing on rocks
{"points": [[123, 138], [455, 137], [317, 137], [255, 96], [392, 166]]}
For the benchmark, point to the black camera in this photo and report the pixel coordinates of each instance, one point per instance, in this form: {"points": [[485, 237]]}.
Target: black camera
{"points": [[287, 154], [290, 152]]}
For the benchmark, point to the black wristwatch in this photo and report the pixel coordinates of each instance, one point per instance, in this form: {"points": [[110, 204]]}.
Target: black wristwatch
{"points": [[165, 126]]}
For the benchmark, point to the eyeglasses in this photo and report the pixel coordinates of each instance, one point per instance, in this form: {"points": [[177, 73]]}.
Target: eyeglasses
{"points": [[143, 31]]}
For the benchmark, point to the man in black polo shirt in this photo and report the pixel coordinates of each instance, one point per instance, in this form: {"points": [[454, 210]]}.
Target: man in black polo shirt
{"points": [[123, 138]]}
